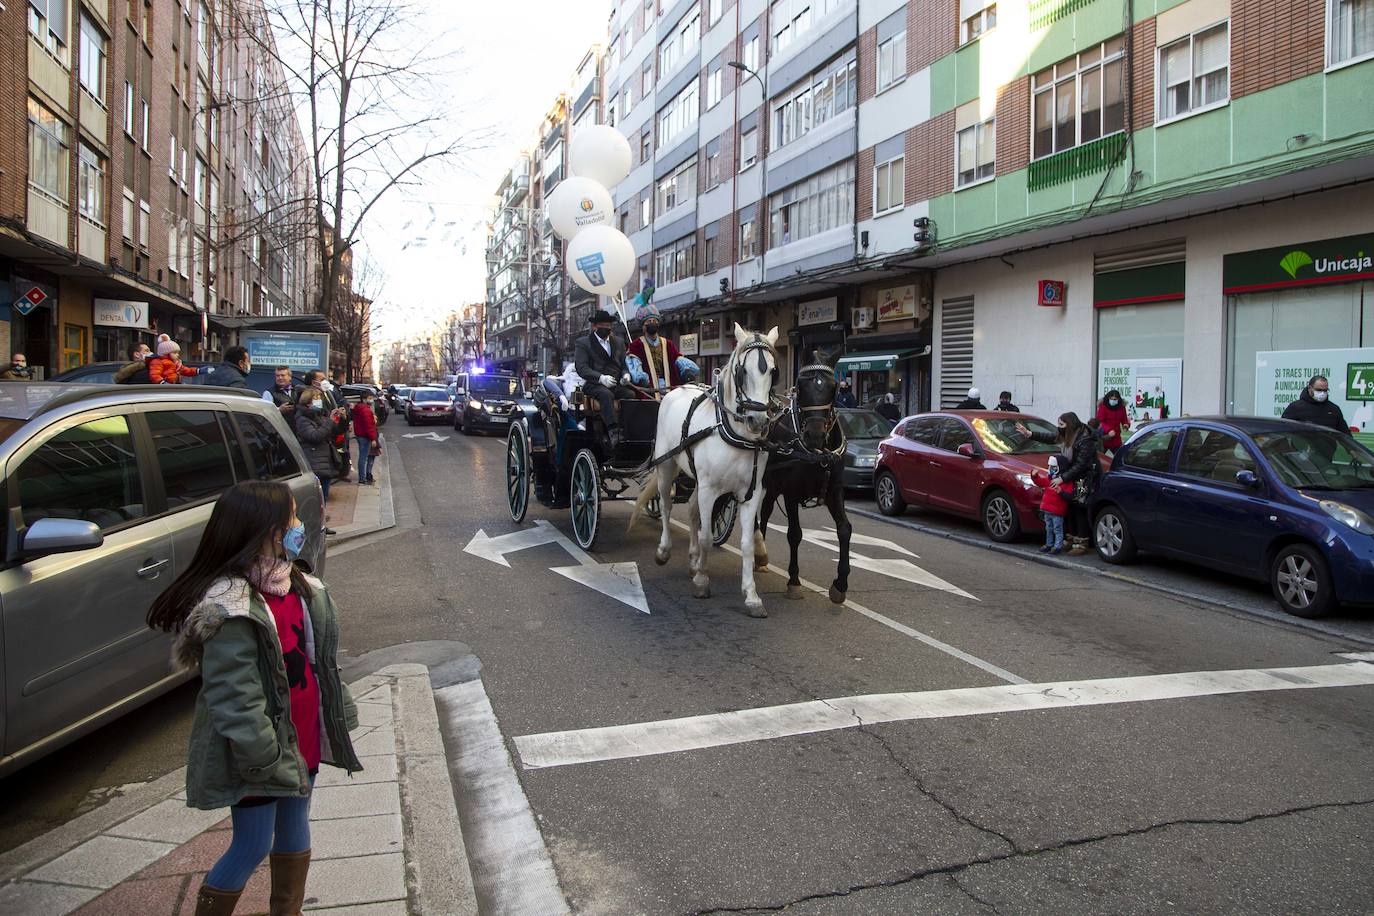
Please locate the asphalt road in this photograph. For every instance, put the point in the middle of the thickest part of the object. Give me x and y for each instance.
(1071, 775)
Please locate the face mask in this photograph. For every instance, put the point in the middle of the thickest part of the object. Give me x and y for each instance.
(1062, 428)
(1319, 396)
(652, 330)
(603, 333)
(1112, 402)
(294, 540)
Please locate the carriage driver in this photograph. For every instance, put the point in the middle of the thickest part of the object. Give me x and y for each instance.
(655, 362)
(600, 360)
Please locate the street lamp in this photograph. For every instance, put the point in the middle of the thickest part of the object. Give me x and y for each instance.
(753, 74)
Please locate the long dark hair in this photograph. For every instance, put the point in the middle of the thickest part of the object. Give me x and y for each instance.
(1073, 428)
(244, 516)
(1111, 394)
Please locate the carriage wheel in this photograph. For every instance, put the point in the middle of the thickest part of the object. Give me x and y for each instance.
(654, 509)
(517, 472)
(723, 516)
(586, 498)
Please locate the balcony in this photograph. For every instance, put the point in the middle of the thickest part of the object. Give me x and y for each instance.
(553, 179)
(552, 139)
(593, 91)
(517, 191)
(507, 323)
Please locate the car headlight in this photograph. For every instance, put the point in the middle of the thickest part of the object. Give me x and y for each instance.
(475, 405)
(1025, 480)
(865, 461)
(1349, 516)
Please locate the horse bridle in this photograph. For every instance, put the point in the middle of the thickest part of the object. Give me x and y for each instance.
(745, 404)
(830, 420)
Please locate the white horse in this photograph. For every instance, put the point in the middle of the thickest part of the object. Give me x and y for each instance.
(740, 414)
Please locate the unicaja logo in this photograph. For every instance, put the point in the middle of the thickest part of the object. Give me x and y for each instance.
(1294, 260)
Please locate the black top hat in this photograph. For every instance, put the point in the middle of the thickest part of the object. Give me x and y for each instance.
(601, 315)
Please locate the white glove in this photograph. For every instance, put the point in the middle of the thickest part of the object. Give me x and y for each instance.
(607, 381)
(625, 379)
(563, 402)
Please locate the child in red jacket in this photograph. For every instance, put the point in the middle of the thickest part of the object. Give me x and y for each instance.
(365, 432)
(1054, 505)
(166, 367)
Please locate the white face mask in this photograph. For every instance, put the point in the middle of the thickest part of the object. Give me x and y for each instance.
(1319, 396)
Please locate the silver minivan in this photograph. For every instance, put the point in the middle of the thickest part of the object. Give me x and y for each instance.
(107, 490)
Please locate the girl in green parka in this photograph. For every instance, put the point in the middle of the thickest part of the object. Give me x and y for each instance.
(272, 707)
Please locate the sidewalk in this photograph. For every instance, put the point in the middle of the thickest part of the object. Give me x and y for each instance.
(355, 510)
(386, 842)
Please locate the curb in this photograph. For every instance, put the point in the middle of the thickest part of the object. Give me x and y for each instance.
(387, 518)
(1262, 613)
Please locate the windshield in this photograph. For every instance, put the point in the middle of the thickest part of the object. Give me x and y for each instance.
(429, 394)
(864, 424)
(1314, 459)
(493, 386)
(1002, 436)
(404, 391)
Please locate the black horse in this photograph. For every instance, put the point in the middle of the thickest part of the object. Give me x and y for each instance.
(807, 463)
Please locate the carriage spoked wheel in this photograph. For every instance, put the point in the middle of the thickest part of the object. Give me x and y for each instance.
(517, 471)
(586, 498)
(654, 509)
(723, 515)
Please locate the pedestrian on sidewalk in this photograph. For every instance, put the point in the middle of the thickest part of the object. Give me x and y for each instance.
(272, 706)
(315, 431)
(135, 371)
(1054, 505)
(1314, 406)
(1004, 403)
(1078, 446)
(1111, 415)
(971, 402)
(365, 433)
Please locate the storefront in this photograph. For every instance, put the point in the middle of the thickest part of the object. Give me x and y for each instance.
(818, 327)
(888, 349)
(712, 352)
(32, 302)
(1296, 311)
(1138, 300)
(118, 325)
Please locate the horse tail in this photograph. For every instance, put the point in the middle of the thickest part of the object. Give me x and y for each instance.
(646, 495)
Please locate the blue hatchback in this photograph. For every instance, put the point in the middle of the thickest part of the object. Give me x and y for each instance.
(1274, 500)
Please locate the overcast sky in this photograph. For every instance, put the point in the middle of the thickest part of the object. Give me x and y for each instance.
(514, 58)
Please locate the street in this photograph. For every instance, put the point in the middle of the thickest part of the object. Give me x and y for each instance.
(691, 759)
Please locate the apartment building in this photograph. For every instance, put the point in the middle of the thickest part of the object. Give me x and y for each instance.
(896, 179)
(152, 178)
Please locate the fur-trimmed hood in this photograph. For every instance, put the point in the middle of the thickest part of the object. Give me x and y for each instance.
(228, 596)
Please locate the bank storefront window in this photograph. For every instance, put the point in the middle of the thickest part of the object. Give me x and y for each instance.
(1138, 298)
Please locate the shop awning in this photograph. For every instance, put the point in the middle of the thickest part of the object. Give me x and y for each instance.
(873, 361)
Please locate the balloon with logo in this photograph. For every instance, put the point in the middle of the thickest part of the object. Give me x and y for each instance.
(576, 204)
(601, 260)
(601, 153)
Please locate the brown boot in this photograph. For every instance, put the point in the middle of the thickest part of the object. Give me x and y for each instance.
(211, 901)
(288, 882)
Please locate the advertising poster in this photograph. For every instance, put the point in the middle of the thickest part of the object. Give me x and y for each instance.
(299, 350)
(897, 303)
(120, 313)
(1281, 375)
(1152, 389)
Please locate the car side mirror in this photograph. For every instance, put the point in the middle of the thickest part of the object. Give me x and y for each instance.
(1247, 479)
(968, 451)
(61, 535)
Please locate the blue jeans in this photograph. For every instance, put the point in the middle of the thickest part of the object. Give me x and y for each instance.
(324, 485)
(365, 459)
(1054, 531)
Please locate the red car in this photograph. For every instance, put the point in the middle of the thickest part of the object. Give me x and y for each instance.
(969, 462)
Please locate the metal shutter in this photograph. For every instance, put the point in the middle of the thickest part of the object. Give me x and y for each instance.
(956, 350)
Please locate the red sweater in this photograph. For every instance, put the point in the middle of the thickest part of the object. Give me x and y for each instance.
(289, 614)
(364, 422)
(1113, 420)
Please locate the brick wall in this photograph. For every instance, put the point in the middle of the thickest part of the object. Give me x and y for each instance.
(930, 158)
(1273, 43)
(868, 64)
(932, 31)
(1013, 126)
(863, 185)
(14, 37)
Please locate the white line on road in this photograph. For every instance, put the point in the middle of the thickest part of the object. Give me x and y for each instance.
(975, 661)
(669, 736)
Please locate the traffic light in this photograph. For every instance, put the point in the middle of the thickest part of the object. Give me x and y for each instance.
(925, 232)
(724, 285)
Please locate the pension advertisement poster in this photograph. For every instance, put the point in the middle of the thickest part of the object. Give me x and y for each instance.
(1151, 389)
(1281, 375)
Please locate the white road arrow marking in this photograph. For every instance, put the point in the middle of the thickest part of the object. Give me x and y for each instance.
(614, 580)
(429, 435)
(906, 571)
(829, 538)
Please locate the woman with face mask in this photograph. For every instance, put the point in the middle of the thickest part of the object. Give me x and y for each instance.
(1111, 413)
(315, 431)
(1079, 466)
(272, 706)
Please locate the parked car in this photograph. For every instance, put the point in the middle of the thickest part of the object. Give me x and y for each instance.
(354, 393)
(428, 404)
(972, 463)
(103, 373)
(863, 430)
(400, 396)
(107, 490)
(1269, 499)
(485, 401)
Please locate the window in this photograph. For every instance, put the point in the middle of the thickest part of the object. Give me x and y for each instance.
(646, 209)
(1078, 100)
(751, 53)
(712, 254)
(748, 240)
(271, 456)
(91, 185)
(146, 125)
(748, 148)
(172, 155)
(88, 472)
(713, 86)
(813, 101)
(1351, 30)
(92, 59)
(1151, 451)
(128, 108)
(627, 100)
(889, 185)
(1194, 72)
(975, 153)
(1213, 455)
(646, 145)
(985, 20)
(676, 261)
(678, 187)
(822, 202)
(47, 152)
(646, 79)
(193, 454)
(683, 40)
(924, 431)
(891, 60)
(73, 346)
(144, 218)
(715, 169)
(713, 11)
(679, 114)
(128, 214)
(954, 433)
(611, 110)
(649, 9)
(48, 24)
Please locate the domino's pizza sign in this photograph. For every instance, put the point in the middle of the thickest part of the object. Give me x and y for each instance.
(31, 300)
(1052, 292)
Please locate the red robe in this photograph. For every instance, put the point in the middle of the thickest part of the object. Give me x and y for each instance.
(638, 348)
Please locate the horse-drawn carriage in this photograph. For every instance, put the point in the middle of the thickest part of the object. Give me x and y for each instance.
(565, 459)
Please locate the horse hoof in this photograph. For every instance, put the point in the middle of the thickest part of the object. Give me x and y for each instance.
(701, 591)
(661, 557)
(755, 609)
(760, 562)
(795, 592)
(836, 596)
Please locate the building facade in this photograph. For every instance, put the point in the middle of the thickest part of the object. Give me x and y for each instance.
(152, 178)
(893, 180)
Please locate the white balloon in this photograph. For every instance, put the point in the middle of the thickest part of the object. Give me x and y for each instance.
(601, 153)
(601, 260)
(576, 204)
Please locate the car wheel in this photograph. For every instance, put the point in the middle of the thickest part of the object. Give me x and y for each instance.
(410, 421)
(888, 495)
(1000, 520)
(1301, 582)
(1112, 536)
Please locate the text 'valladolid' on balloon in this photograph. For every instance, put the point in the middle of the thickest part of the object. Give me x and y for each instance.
(577, 204)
